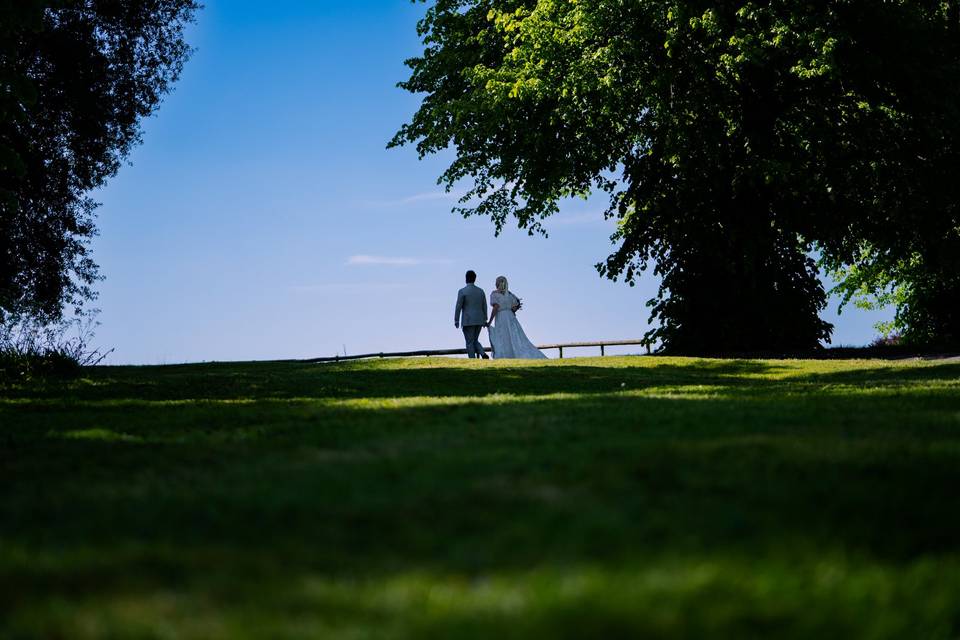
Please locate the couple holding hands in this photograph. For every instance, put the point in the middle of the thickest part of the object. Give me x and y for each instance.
(507, 339)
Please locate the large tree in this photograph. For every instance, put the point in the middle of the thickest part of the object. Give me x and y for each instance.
(76, 79)
(734, 138)
(907, 251)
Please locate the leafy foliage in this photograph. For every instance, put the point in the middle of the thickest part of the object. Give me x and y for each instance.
(76, 79)
(925, 299)
(729, 136)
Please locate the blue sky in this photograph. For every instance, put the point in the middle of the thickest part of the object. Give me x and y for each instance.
(263, 217)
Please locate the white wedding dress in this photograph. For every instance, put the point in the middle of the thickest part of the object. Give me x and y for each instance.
(506, 335)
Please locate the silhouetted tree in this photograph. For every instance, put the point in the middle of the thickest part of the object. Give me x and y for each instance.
(732, 137)
(76, 79)
(906, 250)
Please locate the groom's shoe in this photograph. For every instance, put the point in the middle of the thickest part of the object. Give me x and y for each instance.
(483, 354)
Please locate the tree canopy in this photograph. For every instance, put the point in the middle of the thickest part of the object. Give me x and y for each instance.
(76, 79)
(733, 139)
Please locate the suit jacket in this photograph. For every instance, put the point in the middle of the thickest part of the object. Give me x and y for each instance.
(472, 303)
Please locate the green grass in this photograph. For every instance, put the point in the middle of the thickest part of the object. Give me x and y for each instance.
(432, 498)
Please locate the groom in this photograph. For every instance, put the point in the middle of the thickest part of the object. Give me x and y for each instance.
(472, 302)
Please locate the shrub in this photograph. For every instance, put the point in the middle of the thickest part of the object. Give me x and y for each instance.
(892, 339)
(31, 349)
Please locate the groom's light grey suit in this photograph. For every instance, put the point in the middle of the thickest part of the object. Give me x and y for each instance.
(472, 305)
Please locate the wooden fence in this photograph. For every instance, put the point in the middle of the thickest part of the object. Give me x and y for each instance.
(455, 352)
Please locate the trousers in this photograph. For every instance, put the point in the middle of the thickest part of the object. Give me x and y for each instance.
(471, 334)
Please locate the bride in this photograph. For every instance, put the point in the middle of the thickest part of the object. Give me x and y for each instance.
(506, 336)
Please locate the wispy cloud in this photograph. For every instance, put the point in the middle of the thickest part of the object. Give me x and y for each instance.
(418, 198)
(392, 261)
(431, 195)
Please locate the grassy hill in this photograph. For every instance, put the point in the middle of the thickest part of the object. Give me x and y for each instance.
(432, 498)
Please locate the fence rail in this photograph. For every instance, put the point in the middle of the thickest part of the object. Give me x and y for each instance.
(603, 344)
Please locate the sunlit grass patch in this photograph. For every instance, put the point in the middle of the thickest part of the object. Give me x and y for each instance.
(105, 435)
(672, 597)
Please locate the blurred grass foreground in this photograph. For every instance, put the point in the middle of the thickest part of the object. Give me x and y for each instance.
(634, 497)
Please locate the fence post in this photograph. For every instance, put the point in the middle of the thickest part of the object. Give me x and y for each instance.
(561, 352)
(601, 351)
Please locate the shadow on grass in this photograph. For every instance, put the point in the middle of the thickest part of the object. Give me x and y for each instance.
(357, 380)
(602, 512)
(365, 380)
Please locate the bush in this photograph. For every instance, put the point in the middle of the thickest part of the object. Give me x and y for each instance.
(892, 339)
(30, 349)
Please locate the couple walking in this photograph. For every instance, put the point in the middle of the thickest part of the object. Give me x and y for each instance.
(507, 339)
